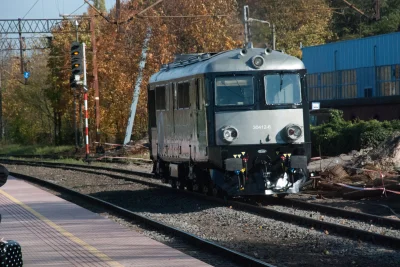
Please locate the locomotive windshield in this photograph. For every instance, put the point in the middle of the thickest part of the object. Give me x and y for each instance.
(234, 91)
(282, 88)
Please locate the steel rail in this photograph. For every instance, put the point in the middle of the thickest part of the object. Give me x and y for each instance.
(192, 239)
(370, 218)
(341, 230)
(55, 157)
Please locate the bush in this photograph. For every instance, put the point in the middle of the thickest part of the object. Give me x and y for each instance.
(339, 136)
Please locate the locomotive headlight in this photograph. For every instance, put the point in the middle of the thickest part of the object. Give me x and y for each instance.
(293, 132)
(229, 134)
(257, 61)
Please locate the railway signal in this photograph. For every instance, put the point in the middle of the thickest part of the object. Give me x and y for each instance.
(73, 82)
(76, 59)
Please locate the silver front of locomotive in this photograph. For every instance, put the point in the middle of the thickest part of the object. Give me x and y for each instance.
(267, 130)
(255, 127)
(270, 139)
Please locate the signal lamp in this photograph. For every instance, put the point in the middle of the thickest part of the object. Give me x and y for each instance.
(229, 134)
(257, 61)
(293, 132)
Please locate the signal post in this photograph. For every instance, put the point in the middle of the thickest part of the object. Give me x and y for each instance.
(78, 67)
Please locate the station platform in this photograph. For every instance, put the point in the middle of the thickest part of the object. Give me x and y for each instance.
(55, 232)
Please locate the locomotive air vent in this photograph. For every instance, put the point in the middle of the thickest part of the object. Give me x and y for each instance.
(187, 57)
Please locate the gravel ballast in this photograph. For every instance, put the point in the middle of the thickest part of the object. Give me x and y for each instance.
(273, 241)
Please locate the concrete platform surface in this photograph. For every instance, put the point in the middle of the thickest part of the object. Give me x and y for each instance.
(55, 232)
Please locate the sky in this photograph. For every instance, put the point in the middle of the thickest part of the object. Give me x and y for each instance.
(43, 9)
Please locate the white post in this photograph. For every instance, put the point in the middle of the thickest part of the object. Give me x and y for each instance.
(85, 98)
(246, 24)
(136, 92)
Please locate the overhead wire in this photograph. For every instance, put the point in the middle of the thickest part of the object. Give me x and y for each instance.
(58, 6)
(187, 16)
(138, 15)
(30, 9)
(77, 9)
(42, 9)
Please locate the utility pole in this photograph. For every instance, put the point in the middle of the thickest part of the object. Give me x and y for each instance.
(247, 31)
(355, 8)
(1, 104)
(273, 37)
(246, 24)
(377, 9)
(75, 96)
(118, 13)
(95, 78)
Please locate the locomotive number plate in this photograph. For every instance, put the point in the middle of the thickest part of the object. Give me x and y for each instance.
(261, 127)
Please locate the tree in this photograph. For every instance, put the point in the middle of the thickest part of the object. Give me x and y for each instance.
(305, 21)
(119, 52)
(350, 24)
(28, 114)
(100, 5)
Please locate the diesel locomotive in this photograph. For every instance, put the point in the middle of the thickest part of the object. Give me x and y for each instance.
(231, 123)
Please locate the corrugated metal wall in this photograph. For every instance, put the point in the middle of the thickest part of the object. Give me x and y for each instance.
(361, 68)
(353, 54)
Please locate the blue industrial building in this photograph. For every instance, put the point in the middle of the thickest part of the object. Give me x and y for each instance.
(361, 76)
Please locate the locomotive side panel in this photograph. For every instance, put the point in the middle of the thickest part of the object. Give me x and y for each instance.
(201, 124)
(163, 120)
(177, 124)
(152, 122)
(182, 121)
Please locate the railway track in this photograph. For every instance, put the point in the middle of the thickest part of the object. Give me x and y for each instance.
(341, 230)
(122, 160)
(237, 257)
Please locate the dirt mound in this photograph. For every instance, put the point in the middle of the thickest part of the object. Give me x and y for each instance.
(385, 157)
(361, 174)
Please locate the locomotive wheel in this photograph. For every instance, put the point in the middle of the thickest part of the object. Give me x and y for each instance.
(196, 187)
(173, 184)
(180, 185)
(216, 191)
(225, 195)
(189, 186)
(281, 196)
(205, 190)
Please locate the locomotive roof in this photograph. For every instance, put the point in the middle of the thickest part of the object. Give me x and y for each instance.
(227, 61)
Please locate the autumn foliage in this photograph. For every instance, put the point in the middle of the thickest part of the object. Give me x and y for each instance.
(178, 26)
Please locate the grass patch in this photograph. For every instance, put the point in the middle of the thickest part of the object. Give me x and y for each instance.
(35, 150)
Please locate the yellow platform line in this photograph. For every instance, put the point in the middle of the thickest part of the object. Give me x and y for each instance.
(100, 255)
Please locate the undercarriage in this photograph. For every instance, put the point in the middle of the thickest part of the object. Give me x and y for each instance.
(265, 177)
